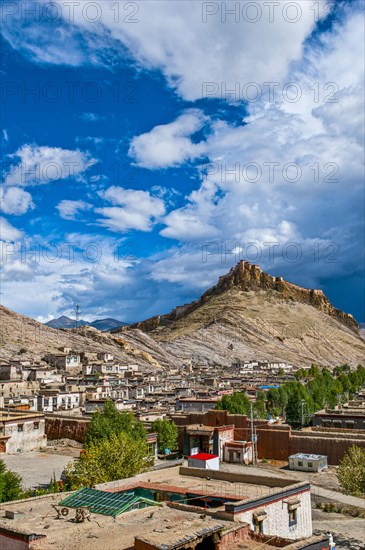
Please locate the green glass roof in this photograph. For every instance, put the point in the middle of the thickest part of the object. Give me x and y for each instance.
(102, 502)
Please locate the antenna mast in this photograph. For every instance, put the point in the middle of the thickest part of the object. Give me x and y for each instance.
(77, 311)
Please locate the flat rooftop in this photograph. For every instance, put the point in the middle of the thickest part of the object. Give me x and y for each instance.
(308, 456)
(170, 479)
(158, 524)
(6, 416)
(102, 532)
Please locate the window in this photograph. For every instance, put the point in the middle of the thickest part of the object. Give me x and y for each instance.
(300, 463)
(35, 425)
(310, 464)
(20, 427)
(292, 517)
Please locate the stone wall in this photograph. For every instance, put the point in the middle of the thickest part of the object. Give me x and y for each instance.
(278, 442)
(60, 427)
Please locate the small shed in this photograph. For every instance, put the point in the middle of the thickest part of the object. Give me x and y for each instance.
(204, 460)
(307, 462)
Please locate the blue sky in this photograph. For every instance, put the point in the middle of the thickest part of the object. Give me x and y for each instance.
(149, 146)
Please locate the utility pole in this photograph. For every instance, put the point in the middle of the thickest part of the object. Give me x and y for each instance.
(77, 311)
(253, 437)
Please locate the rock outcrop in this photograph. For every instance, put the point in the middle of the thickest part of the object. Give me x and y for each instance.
(250, 277)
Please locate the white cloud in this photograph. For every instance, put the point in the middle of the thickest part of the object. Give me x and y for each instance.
(230, 211)
(15, 200)
(188, 224)
(8, 232)
(243, 198)
(131, 209)
(69, 210)
(92, 274)
(91, 117)
(169, 144)
(39, 165)
(181, 39)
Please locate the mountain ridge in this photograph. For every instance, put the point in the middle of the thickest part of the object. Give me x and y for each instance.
(101, 324)
(246, 277)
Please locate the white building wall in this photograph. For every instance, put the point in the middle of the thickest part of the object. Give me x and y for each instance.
(212, 464)
(27, 440)
(277, 521)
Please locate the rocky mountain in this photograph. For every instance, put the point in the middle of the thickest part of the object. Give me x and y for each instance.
(249, 314)
(107, 324)
(100, 324)
(25, 338)
(65, 322)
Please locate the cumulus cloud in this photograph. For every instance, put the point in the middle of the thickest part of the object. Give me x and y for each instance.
(8, 232)
(69, 210)
(291, 173)
(39, 165)
(15, 200)
(131, 209)
(169, 144)
(92, 274)
(188, 224)
(190, 42)
(248, 191)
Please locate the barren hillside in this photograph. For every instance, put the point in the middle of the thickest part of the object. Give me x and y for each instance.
(23, 334)
(251, 315)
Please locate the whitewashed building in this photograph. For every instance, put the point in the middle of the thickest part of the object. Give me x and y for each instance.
(21, 432)
(307, 462)
(285, 513)
(204, 460)
(63, 361)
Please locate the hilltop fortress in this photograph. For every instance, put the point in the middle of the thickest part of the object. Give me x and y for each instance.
(250, 277)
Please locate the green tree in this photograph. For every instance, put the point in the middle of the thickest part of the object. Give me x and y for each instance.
(314, 371)
(167, 433)
(351, 471)
(111, 422)
(10, 484)
(237, 403)
(299, 405)
(277, 399)
(119, 457)
(259, 407)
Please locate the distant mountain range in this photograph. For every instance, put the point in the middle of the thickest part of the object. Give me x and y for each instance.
(100, 324)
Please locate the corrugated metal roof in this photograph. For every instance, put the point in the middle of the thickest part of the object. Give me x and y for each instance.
(103, 502)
